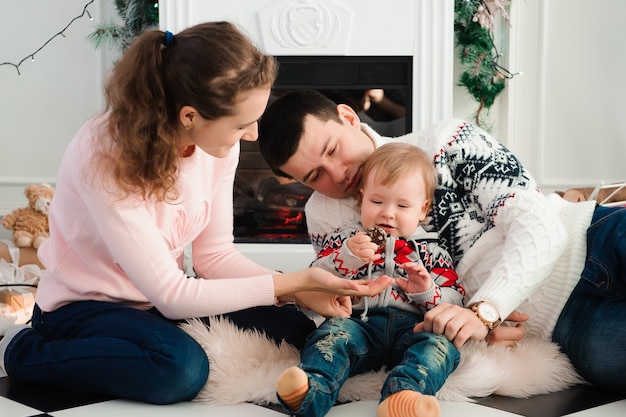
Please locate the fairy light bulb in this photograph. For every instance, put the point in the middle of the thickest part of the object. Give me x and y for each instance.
(61, 33)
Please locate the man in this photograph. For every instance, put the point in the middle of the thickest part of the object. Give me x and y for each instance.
(488, 210)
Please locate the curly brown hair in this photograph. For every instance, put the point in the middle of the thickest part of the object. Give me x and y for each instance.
(205, 66)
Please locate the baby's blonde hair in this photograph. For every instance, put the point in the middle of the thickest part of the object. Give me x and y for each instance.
(395, 160)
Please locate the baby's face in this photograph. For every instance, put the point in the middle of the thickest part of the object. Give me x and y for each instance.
(396, 208)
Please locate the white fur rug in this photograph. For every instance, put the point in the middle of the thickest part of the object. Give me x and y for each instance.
(244, 367)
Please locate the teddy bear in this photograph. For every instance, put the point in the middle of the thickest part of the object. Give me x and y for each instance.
(30, 224)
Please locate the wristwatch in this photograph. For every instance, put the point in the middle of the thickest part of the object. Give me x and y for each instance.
(487, 313)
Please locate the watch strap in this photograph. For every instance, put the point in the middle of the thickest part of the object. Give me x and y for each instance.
(489, 324)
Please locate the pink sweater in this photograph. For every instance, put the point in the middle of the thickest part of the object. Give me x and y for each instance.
(130, 251)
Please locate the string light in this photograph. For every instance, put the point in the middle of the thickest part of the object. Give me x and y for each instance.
(61, 33)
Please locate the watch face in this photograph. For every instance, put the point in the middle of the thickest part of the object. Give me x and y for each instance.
(488, 312)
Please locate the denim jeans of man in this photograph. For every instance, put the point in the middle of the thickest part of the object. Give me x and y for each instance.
(109, 349)
(341, 348)
(591, 329)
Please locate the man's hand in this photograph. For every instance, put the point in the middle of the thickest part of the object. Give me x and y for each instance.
(509, 335)
(458, 324)
(328, 305)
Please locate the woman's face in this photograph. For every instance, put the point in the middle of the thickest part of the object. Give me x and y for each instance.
(217, 137)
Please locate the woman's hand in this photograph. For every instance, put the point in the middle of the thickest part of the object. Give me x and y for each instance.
(328, 305)
(317, 279)
(509, 335)
(458, 324)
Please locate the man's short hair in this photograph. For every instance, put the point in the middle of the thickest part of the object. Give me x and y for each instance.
(282, 124)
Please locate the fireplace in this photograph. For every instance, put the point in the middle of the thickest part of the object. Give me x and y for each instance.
(270, 209)
(340, 47)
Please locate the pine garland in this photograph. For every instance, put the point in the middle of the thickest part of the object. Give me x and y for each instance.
(481, 75)
(137, 16)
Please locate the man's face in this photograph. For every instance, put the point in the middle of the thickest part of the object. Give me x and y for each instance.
(330, 155)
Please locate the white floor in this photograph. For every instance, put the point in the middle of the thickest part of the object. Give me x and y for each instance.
(10, 408)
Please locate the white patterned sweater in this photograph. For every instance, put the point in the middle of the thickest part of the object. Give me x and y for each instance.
(508, 241)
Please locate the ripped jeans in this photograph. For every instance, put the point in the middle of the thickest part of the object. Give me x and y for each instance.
(341, 348)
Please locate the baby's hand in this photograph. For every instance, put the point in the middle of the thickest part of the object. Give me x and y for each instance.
(362, 247)
(419, 279)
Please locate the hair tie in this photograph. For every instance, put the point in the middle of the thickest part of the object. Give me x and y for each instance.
(169, 38)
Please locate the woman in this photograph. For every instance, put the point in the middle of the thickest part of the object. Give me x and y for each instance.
(139, 183)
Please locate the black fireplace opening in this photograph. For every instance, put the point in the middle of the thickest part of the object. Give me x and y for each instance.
(270, 209)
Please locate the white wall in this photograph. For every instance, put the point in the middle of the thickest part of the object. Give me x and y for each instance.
(42, 108)
(565, 115)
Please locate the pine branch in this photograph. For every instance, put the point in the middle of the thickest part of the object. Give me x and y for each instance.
(137, 16)
(481, 75)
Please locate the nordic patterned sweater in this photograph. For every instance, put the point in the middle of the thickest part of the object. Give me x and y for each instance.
(505, 237)
(421, 247)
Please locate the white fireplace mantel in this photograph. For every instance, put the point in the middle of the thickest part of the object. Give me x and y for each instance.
(422, 29)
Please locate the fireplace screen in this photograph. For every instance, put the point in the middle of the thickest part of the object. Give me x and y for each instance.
(268, 208)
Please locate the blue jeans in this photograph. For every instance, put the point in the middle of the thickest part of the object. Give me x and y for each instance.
(109, 349)
(591, 329)
(341, 348)
(119, 351)
(278, 323)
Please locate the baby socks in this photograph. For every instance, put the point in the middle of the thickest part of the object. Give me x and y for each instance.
(409, 403)
(292, 386)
